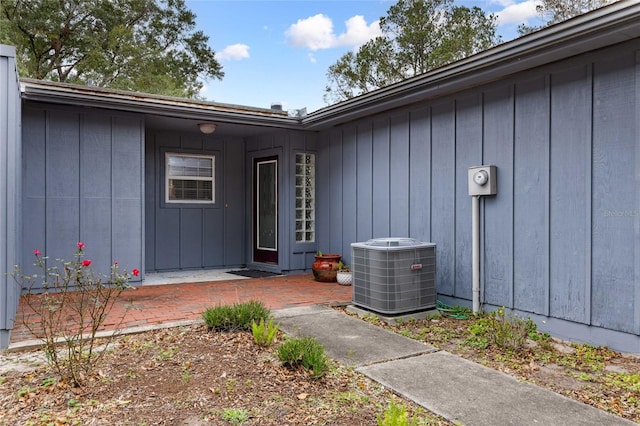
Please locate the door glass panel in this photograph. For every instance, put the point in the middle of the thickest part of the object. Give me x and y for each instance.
(267, 180)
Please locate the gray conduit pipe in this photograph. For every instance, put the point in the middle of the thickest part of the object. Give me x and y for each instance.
(475, 242)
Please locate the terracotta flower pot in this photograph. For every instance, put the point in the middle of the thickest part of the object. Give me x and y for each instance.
(325, 268)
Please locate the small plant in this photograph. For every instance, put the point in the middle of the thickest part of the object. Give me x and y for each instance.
(239, 316)
(305, 352)
(343, 267)
(235, 416)
(504, 331)
(66, 305)
(264, 333)
(396, 415)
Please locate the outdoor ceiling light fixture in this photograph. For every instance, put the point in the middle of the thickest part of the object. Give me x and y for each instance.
(207, 128)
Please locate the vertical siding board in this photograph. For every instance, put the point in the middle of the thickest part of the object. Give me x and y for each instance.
(380, 178)
(615, 213)
(364, 177)
(568, 192)
(420, 175)
(95, 190)
(530, 205)
(349, 159)
(191, 238)
(62, 190)
(498, 211)
(234, 208)
(168, 241)
(212, 242)
(10, 189)
(150, 193)
(335, 194)
(636, 233)
(323, 192)
(399, 175)
(468, 152)
(443, 194)
(127, 191)
(34, 186)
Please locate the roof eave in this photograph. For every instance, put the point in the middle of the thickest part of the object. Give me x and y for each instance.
(90, 97)
(610, 25)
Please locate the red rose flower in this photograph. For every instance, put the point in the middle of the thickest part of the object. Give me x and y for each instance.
(86, 262)
(135, 272)
(80, 245)
(36, 252)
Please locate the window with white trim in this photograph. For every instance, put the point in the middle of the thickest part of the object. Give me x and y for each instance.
(305, 197)
(190, 178)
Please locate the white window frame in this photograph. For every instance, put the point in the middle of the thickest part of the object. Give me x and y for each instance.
(211, 178)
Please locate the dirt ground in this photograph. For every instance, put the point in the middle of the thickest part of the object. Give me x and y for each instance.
(188, 376)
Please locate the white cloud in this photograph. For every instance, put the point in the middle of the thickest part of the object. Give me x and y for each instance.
(358, 32)
(312, 58)
(316, 32)
(518, 13)
(234, 52)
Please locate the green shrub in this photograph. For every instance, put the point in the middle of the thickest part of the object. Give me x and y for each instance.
(305, 352)
(263, 332)
(508, 332)
(396, 415)
(236, 317)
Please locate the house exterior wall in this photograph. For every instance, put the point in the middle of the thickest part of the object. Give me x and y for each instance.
(561, 239)
(292, 256)
(193, 236)
(10, 185)
(83, 173)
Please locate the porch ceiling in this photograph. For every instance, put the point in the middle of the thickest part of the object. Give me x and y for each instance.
(224, 129)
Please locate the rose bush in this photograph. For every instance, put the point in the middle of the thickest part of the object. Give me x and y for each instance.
(65, 306)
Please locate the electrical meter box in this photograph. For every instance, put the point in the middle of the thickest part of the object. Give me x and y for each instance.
(482, 180)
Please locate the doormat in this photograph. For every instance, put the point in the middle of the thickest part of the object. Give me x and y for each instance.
(254, 273)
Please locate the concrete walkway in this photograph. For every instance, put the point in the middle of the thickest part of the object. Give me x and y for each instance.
(459, 390)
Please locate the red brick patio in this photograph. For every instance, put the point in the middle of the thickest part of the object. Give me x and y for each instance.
(158, 304)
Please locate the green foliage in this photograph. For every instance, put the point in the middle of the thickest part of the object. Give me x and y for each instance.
(627, 381)
(507, 332)
(305, 352)
(555, 11)
(396, 415)
(144, 45)
(343, 267)
(235, 416)
(66, 304)
(239, 316)
(264, 333)
(587, 357)
(417, 36)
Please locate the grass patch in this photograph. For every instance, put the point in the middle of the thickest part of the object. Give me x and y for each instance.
(236, 317)
(304, 352)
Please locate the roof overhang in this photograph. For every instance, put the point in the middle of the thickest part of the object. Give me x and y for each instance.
(607, 26)
(155, 105)
(613, 24)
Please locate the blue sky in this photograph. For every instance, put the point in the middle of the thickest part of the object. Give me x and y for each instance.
(279, 51)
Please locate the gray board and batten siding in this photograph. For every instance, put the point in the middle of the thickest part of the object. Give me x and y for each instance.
(10, 185)
(83, 177)
(560, 240)
(194, 236)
